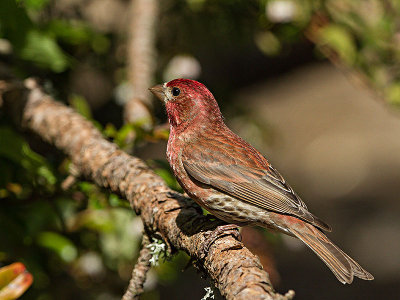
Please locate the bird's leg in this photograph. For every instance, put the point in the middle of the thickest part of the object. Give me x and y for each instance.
(221, 231)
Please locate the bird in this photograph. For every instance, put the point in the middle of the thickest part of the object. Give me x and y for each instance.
(233, 181)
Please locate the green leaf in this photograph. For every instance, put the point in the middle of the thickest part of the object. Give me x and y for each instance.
(100, 44)
(393, 94)
(74, 33)
(340, 40)
(14, 23)
(96, 219)
(14, 148)
(268, 43)
(44, 51)
(45, 172)
(110, 130)
(128, 130)
(86, 187)
(33, 4)
(81, 106)
(166, 175)
(116, 201)
(169, 178)
(65, 249)
(78, 33)
(11, 145)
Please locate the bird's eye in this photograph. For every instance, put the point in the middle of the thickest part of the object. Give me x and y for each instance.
(176, 91)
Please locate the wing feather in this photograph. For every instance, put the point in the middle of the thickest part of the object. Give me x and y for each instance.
(246, 176)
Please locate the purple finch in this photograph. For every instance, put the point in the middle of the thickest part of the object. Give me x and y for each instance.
(233, 181)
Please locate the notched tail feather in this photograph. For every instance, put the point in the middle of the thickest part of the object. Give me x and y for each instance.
(342, 265)
(321, 224)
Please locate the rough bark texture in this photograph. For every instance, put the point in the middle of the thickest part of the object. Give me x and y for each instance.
(135, 288)
(175, 218)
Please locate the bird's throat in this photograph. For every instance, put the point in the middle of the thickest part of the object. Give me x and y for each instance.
(180, 118)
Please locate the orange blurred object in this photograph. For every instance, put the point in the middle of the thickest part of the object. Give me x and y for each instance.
(14, 281)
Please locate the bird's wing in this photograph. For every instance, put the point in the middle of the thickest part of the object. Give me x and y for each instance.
(240, 171)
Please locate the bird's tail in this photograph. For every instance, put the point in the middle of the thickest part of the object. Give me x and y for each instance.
(342, 265)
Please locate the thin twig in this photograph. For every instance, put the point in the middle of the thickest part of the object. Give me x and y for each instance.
(139, 272)
(72, 177)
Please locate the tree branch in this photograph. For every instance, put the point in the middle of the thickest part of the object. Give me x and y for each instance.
(139, 272)
(141, 55)
(175, 218)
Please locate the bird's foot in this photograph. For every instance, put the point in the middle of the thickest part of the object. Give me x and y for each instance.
(219, 232)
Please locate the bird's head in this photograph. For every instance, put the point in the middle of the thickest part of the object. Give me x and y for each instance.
(188, 102)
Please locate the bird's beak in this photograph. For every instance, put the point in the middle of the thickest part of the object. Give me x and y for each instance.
(158, 91)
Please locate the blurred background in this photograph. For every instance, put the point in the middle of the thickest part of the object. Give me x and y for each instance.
(312, 84)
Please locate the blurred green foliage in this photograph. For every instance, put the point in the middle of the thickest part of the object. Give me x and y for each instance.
(365, 36)
(73, 240)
